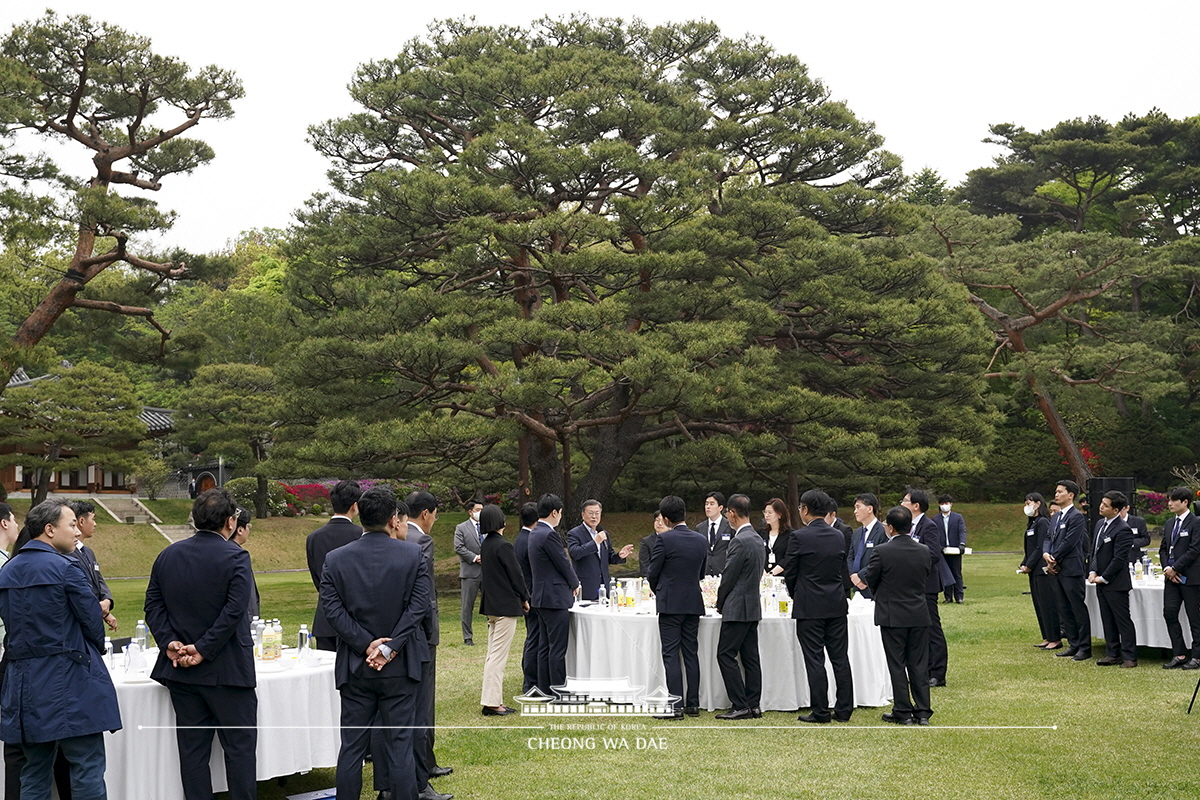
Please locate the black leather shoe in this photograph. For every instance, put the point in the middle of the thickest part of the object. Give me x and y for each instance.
(813, 718)
(1051, 646)
(1176, 662)
(1083, 655)
(1129, 664)
(925, 720)
(692, 711)
(739, 713)
(429, 794)
(499, 711)
(1193, 663)
(756, 713)
(1108, 661)
(836, 718)
(440, 772)
(672, 715)
(937, 681)
(1068, 653)
(895, 720)
(384, 796)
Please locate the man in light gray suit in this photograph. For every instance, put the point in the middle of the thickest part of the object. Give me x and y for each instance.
(738, 603)
(466, 544)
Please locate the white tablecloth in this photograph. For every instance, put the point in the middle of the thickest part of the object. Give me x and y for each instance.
(1146, 609)
(298, 714)
(605, 645)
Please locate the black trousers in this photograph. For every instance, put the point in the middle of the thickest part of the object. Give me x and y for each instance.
(393, 703)
(554, 629)
(1186, 596)
(1045, 605)
(818, 637)
(1070, 592)
(422, 745)
(907, 653)
(939, 654)
(680, 655)
(1120, 638)
(233, 712)
(529, 654)
(740, 639)
(954, 591)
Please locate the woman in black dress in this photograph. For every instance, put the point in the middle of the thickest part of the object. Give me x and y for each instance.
(505, 599)
(775, 530)
(1037, 529)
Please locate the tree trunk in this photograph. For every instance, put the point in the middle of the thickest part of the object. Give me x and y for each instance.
(42, 488)
(260, 498)
(545, 468)
(1058, 426)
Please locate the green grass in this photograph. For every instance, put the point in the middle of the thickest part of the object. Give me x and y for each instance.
(1114, 726)
(171, 512)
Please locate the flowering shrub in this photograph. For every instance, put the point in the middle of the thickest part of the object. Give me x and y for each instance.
(1151, 502)
(308, 493)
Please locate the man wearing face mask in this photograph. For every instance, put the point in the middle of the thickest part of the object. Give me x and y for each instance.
(467, 545)
(954, 539)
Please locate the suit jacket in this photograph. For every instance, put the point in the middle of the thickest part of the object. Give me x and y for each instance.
(433, 631)
(1036, 532)
(467, 545)
(1111, 544)
(862, 544)
(554, 580)
(848, 533)
(56, 685)
(374, 587)
(775, 555)
(198, 594)
(1181, 550)
(502, 586)
(1141, 535)
(337, 532)
(953, 530)
(521, 551)
(940, 576)
(591, 560)
(716, 548)
(738, 597)
(1068, 537)
(897, 575)
(814, 571)
(87, 560)
(645, 552)
(678, 562)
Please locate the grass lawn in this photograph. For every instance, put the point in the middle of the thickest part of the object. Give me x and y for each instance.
(1014, 722)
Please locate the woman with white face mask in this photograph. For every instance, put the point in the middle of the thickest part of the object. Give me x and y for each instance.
(1037, 529)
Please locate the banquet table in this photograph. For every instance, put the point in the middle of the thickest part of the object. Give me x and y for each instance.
(298, 715)
(1145, 607)
(605, 646)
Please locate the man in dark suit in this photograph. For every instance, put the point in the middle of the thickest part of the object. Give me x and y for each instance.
(868, 536)
(716, 532)
(954, 538)
(85, 519)
(468, 549)
(196, 608)
(1141, 533)
(592, 552)
(340, 530)
(896, 575)
(1110, 574)
(529, 518)
(814, 571)
(1179, 556)
(740, 608)
(1064, 559)
(677, 565)
(422, 513)
(555, 587)
(926, 532)
(375, 592)
(846, 531)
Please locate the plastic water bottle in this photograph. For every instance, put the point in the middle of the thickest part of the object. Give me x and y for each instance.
(302, 645)
(108, 652)
(278, 640)
(774, 604)
(257, 631)
(141, 635)
(603, 596)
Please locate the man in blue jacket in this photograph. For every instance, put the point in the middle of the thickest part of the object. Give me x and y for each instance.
(57, 693)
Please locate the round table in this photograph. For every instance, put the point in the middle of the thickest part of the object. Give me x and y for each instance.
(625, 645)
(1146, 609)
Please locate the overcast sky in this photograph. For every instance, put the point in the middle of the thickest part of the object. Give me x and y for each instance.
(931, 74)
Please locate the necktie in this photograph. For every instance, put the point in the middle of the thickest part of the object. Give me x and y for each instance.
(712, 534)
(1100, 535)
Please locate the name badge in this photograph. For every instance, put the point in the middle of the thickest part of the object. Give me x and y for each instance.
(1107, 539)
(725, 537)
(1029, 532)
(1062, 527)
(1182, 534)
(870, 544)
